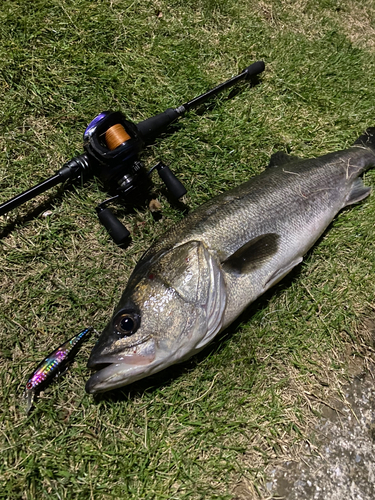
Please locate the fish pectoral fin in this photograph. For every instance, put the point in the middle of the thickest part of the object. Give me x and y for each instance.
(252, 255)
(358, 192)
(281, 272)
(281, 158)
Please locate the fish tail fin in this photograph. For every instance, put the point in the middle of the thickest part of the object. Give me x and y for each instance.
(367, 139)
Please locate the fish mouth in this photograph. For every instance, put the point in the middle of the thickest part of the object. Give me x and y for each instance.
(114, 372)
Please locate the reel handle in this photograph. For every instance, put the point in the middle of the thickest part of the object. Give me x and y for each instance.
(176, 188)
(115, 228)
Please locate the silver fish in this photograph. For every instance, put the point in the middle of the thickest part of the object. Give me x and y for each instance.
(198, 277)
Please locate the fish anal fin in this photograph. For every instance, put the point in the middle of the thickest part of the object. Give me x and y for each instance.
(281, 158)
(358, 192)
(252, 254)
(281, 272)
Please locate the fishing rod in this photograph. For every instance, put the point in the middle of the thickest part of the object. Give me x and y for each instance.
(112, 145)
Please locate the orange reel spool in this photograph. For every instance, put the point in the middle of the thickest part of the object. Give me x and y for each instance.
(115, 136)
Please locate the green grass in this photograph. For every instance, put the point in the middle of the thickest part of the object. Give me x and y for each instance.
(201, 429)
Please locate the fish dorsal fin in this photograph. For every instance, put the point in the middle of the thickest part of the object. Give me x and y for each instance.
(252, 254)
(281, 158)
(367, 139)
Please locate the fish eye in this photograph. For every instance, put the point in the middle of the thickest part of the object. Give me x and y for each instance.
(126, 323)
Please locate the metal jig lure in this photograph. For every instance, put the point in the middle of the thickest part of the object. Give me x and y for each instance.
(53, 365)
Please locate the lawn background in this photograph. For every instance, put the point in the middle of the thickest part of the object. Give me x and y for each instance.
(211, 426)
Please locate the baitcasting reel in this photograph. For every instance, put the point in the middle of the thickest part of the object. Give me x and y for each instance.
(112, 146)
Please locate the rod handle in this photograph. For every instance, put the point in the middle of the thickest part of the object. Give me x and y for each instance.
(154, 126)
(72, 169)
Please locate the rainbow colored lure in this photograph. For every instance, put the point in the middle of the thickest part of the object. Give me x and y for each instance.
(52, 365)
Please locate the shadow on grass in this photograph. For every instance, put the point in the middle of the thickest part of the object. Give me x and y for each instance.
(121, 209)
(33, 213)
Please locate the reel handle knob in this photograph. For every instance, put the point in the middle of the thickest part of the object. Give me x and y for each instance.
(115, 228)
(176, 187)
